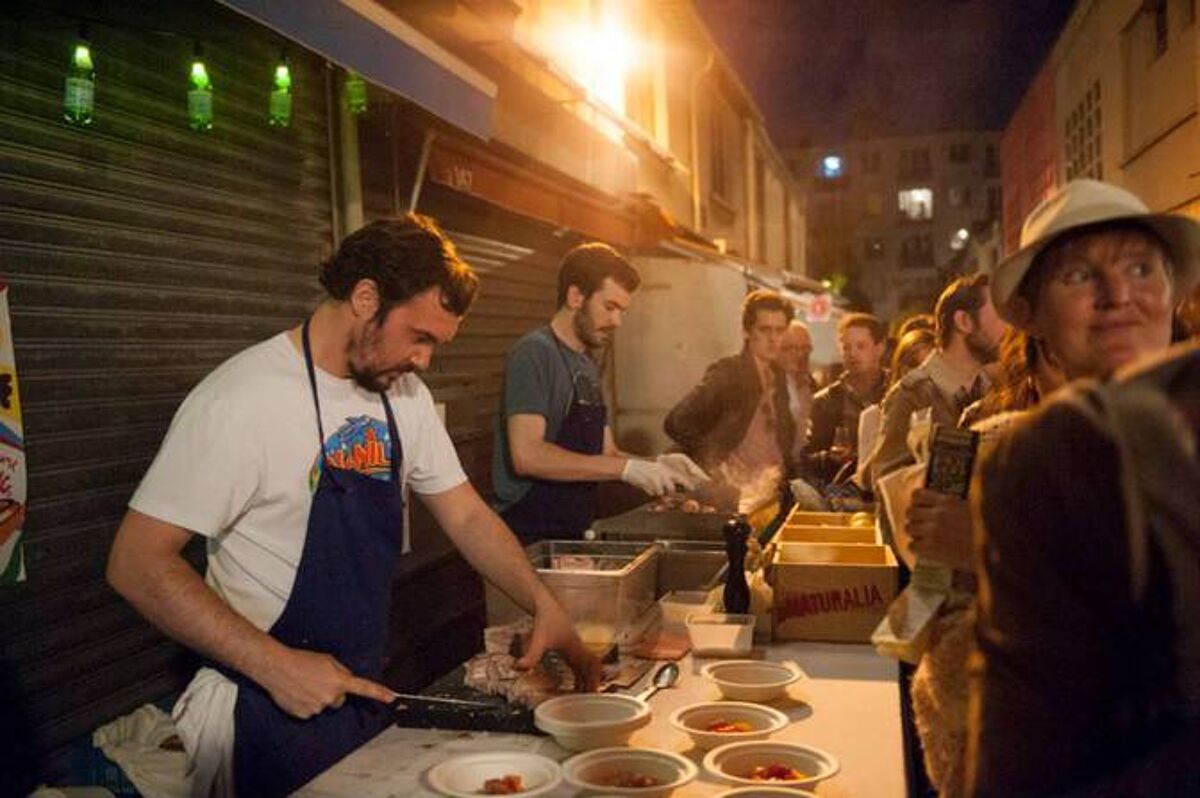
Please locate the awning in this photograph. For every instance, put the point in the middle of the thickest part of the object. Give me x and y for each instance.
(362, 36)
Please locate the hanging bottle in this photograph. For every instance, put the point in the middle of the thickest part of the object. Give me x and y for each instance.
(200, 99)
(356, 93)
(737, 591)
(80, 90)
(279, 113)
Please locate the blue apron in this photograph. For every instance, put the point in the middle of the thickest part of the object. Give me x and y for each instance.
(339, 605)
(563, 510)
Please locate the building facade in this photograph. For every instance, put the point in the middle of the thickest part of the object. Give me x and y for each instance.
(1117, 100)
(897, 216)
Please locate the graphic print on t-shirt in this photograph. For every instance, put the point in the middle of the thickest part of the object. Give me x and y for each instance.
(361, 444)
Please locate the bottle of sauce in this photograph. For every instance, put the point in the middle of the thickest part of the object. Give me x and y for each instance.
(737, 592)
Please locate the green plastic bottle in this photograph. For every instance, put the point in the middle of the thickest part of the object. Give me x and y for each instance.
(80, 91)
(279, 112)
(200, 99)
(356, 93)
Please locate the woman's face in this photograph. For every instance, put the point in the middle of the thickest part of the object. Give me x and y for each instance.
(1105, 301)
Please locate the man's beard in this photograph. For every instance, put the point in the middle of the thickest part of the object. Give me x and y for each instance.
(983, 350)
(365, 377)
(587, 331)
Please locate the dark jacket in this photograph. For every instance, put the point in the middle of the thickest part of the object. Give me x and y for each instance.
(837, 405)
(711, 420)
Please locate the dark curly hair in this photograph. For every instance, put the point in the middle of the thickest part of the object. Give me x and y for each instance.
(587, 266)
(404, 256)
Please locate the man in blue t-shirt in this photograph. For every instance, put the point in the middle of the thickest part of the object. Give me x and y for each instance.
(553, 441)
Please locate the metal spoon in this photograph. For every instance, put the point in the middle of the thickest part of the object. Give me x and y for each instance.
(666, 675)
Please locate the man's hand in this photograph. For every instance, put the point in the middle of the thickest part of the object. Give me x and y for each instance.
(305, 683)
(677, 461)
(552, 629)
(940, 528)
(655, 478)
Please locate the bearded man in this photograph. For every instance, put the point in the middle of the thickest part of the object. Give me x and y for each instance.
(553, 441)
(968, 338)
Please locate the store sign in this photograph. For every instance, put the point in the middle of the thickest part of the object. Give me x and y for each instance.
(819, 308)
(12, 456)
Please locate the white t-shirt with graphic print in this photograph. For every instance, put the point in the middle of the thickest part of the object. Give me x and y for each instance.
(238, 466)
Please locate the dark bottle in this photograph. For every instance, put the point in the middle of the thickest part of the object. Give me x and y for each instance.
(737, 592)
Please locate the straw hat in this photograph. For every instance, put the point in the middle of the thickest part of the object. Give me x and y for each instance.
(1086, 202)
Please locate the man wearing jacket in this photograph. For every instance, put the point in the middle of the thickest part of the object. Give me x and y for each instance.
(737, 420)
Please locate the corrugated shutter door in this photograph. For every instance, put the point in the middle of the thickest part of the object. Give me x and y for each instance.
(139, 255)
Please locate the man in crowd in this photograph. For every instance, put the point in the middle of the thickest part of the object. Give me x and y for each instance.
(1088, 668)
(968, 334)
(553, 440)
(303, 528)
(737, 420)
(794, 354)
(833, 439)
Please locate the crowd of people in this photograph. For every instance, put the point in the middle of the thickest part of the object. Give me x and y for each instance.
(1066, 656)
(1066, 659)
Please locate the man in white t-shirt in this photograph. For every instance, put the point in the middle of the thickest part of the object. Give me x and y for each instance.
(291, 459)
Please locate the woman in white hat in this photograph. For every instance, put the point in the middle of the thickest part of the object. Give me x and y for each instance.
(1097, 277)
(1087, 676)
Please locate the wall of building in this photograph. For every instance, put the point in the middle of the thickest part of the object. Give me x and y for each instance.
(1029, 155)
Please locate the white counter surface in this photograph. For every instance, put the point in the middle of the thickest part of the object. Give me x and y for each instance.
(849, 705)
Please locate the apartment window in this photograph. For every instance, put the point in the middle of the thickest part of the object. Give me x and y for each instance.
(1160, 26)
(873, 248)
(1189, 13)
(959, 196)
(916, 252)
(993, 203)
(916, 204)
(1082, 138)
(960, 153)
(991, 165)
(639, 100)
(874, 204)
(870, 163)
(832, 167)
(718, 150)
(914, 163)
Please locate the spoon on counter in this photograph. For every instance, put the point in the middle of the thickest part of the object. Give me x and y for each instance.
(666, 676)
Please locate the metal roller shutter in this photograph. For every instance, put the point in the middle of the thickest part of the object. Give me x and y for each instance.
(139, 256)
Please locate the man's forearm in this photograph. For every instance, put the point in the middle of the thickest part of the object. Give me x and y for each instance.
(547, 460)
(169, 593)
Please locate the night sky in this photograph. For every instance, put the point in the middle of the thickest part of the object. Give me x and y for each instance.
(822, 71)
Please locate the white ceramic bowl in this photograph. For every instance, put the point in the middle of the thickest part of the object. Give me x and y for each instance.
(694, 720)
(582, 721)
(750, 679)
(463, 776)
(733, 762)
(765, 792)
(593, 771)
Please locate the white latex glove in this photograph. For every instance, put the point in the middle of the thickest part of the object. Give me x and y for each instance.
(655, 478)
(685, 465)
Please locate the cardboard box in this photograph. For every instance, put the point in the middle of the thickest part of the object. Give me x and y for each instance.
(831, 591)
(826, 534)
(806, 518)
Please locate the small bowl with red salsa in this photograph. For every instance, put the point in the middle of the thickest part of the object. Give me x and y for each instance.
(767, 763)
(643, 772)
(713, 723)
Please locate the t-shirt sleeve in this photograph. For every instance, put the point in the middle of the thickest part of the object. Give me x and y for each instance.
(431, 462)
(527, 381)
(207, 470)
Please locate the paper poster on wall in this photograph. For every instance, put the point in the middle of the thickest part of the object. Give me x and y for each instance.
(12, 456)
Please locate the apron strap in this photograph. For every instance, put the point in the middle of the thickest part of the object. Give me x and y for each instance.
(312, 382)
(397, 446)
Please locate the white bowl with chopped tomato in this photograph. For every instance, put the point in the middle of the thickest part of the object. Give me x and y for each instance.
(494, 773)
(713, 723)
(642, 772)
(582, 721)
(751, 679)
(764, 763)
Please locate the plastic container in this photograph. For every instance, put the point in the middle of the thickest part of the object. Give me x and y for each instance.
(720, 633)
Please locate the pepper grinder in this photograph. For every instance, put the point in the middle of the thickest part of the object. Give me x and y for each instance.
(737, 592)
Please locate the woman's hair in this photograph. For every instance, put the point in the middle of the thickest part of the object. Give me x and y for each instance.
(911, 350)
(1016, 383)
